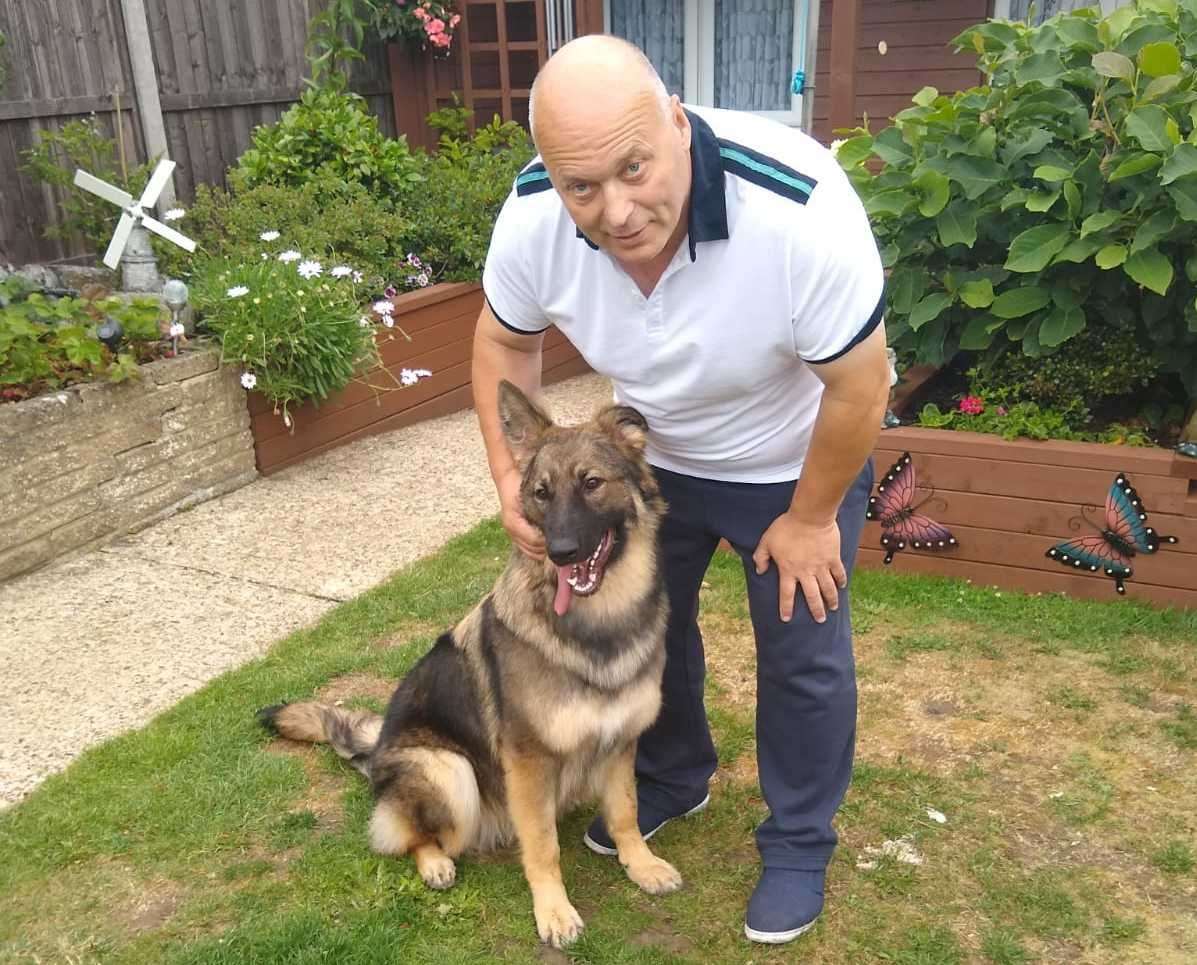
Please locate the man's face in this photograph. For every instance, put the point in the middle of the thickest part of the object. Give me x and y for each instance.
(623, 174)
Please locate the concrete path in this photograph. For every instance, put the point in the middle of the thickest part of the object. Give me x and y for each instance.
(99, 644)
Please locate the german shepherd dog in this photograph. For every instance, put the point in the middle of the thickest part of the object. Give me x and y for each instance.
(533, 703)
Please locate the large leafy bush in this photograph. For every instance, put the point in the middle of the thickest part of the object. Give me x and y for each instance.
(329, 132)
(452, 212)
(324, 217)
(1060, 196)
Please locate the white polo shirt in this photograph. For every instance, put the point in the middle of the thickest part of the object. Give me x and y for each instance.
(779, 272)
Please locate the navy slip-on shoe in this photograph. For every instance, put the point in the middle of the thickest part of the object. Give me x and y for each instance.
(784, 905)
(650, 819)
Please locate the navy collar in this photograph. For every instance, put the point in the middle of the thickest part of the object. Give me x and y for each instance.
(708, 202)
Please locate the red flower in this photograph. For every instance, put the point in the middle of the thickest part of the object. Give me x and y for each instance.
(972, 405)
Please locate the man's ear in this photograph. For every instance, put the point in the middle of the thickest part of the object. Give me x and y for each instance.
(677, 113)
(625, 425)
(523, 422)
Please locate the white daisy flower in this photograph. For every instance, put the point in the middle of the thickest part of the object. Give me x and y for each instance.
(364, 321)
(176, 330)
(269, 236)
(264, 256)
(310, 269)
(290, 255)
(358, 277)
(237, 291)
(248, 380)
(174, 214)
(412, 376)
(341, 271)
(384, 307)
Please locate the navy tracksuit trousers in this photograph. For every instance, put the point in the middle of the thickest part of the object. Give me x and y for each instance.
(806, 675)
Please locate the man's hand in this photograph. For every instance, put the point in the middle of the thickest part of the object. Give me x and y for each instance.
(526, 536)
(808, 555)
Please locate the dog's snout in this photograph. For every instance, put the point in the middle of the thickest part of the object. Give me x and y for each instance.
(563, 550)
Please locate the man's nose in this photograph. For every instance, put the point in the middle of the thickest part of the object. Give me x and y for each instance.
(618, 206)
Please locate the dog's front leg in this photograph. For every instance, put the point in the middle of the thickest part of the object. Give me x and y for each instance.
(653, 874)
(531, 780)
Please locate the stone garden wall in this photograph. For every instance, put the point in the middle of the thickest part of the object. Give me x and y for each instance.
(93, 462)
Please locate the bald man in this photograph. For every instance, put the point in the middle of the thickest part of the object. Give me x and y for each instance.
(720, 269)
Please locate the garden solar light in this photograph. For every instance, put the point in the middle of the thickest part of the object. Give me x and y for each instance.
(174, 293)
(110, 333)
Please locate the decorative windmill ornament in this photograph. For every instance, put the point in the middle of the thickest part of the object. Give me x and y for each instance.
(130, 241)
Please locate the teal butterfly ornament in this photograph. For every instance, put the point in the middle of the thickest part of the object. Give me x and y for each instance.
(1124, 534)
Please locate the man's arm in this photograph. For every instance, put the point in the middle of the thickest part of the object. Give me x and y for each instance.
(500, 353)
(804, 542)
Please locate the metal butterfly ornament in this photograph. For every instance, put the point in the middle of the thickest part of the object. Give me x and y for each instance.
(1110, 550)
(901, 524)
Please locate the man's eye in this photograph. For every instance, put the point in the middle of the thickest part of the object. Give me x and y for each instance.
(579, 189)
(634, 167)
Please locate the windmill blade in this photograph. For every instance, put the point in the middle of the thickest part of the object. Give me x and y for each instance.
(105, 190)
(169, 233)
(162, 173)
(120, 237)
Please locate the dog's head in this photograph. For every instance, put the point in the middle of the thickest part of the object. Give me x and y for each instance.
(586, 487)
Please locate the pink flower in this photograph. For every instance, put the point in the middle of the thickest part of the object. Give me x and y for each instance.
(972, 405)
(434, 26)
(441, 39)
(1001, 410)
(454, 20)
(420, 13)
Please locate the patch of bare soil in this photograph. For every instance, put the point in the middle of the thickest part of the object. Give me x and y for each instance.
(351, 685)
(325, 788)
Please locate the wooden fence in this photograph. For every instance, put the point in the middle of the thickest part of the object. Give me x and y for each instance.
(223, 67)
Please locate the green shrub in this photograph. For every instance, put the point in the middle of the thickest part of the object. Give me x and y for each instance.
(329, 132)
(53, 160)
(452, 213)
(47, 343)
(296, 337)
(1062, 192)
(324, 217)
(1095, 365)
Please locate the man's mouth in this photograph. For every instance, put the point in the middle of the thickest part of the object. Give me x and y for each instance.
(625, 238)
(582, 579)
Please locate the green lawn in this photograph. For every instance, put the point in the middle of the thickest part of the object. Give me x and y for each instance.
(1058, 738)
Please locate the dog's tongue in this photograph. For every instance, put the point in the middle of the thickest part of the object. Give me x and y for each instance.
(565, 592)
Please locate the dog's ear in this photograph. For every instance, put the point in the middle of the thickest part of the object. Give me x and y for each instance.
(625, 424)
(522, 420)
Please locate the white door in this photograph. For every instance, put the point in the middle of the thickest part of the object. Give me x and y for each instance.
(737, 54)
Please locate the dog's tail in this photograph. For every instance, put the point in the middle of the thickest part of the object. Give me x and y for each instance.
(351, 733)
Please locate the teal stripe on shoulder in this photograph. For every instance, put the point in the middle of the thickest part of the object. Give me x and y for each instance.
(767, 170)
(534, 179)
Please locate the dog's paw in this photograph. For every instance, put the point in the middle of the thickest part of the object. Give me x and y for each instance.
(655, 875)
(557, 922)
(438, 871)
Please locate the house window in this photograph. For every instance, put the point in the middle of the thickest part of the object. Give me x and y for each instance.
(737, 54)
(1043, 9)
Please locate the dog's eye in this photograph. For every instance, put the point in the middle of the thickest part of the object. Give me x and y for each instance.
(593, 483)
(541, 493)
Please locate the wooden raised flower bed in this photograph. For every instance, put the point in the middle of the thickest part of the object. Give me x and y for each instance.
(1008, 502)
(440, 320)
